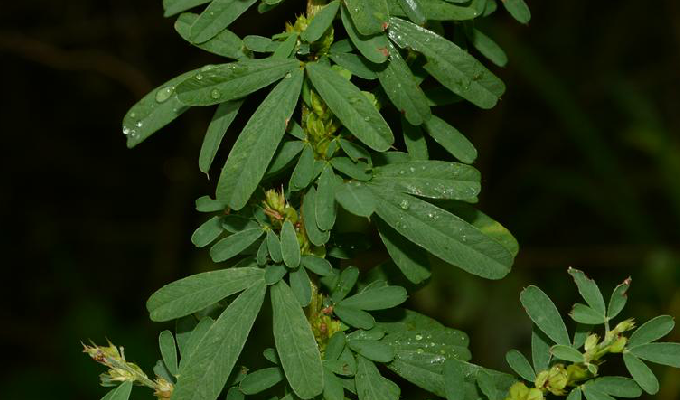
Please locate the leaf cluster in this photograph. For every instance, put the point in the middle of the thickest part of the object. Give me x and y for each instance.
(321, 147)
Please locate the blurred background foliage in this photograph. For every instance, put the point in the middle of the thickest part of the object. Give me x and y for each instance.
(581, 160)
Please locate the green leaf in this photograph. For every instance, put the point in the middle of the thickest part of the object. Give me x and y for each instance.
(495, 385)
(325, 209)
(348, 278)
(351, 106)
(274, 246)
(301, 286)
(414, 11)
(369, 16)
(172, 7)
(207, 232)
(354, 170)
(543, 312)
(540, 350)
(443, 234)
(315, 235)
(154, 111)
(271, 356)
(262, 253)
(285, 154)
(318, 265)
(323, 19)
(651, 331)
(487, 225)
(261, 380)
(215, 84)
(274, 273)
(520, 365)
(187, 341)
(589, 291)
(257, 143)
(518, 9)
(194, 293)
(304, 169)
(216, 17)
(285, 49)
(642, 374)
(586, 315)
(615, 386)
(335, 346)
(298, 351)
(594, 394)
(449, 64)
(371, 385)
(373, 47)
(420, 355)
(665, 353)
(402, 88)
(332, 386)
(416, 146)
(356, 198)
(356, 64)
(380, 298)
(411, 259)
(618, 299)
(206, 204)
(567, 353)
(372, 350)
(436, 10)
(290, 248)
(453, 141)
(454, 379)
(224, 116)
(166, 342)
(354, 317)
(575, 394)
(355, 151)
(122, 392)
(260, 44)
(209, 365)
(233, 245)
(431, 179)
(226, 43)
(488, 48)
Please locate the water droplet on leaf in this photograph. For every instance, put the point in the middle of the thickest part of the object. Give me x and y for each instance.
(163, 94)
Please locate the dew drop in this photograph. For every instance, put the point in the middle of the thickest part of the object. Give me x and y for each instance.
(412, 169)
(420, 351)
(419, 337)
(139, 124)
(404, 206)
(215, 94)
(288, 75)
(163, 94)
(126, 130)
(199, 76)
(367, 119)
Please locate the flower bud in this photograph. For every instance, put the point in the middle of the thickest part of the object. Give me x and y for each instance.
(557, 380)
(624, 326)
(576, 373)
(618, 345)
(591, 342)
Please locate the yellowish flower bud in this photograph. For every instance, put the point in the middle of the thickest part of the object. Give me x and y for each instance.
(624, 326)
(591, 342)
(618, 345)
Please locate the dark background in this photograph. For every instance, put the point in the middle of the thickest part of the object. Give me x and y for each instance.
(581, 160)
